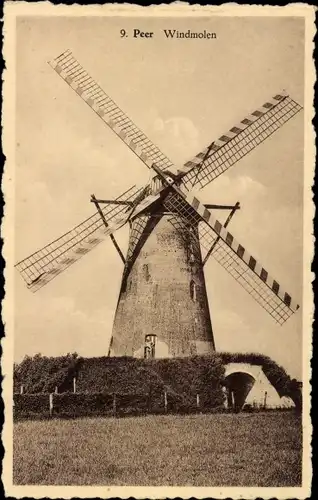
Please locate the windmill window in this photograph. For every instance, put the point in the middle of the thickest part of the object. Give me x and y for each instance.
(193, 291)
(145, 268)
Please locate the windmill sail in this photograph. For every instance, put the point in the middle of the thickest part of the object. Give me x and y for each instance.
(247, 271)
(81, 82)
(241, 139)
(48, 262)
(45, 264)
(264, 289)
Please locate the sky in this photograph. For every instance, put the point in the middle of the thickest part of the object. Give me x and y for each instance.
(182, 94)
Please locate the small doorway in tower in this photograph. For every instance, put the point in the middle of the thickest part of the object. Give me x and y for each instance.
(150, 346)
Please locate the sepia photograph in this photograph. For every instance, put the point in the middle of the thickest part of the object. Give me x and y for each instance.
(158, 244)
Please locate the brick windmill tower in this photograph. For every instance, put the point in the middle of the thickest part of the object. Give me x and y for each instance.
(163, 308)
(163, 281)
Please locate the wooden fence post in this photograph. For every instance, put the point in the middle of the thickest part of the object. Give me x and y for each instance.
(149, 399)
(56, 389)
(74, 385)
(166, 401)
(198, 401)
(114, 405)
(51, 403)
(21, 389)
(265, 397)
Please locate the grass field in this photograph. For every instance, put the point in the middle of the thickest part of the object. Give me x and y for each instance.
(260, 449)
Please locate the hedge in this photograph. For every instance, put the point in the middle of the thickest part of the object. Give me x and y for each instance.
(126, 374)
(182, 376)
(42, 374)
(69, 405)
(31, 405)
(77, 405)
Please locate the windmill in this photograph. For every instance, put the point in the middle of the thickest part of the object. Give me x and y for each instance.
(163, 307)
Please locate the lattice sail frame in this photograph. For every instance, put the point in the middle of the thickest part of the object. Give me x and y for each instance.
(45, 264)
(240, 140)
(220, 155)
(71, 71)
(235, 259)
